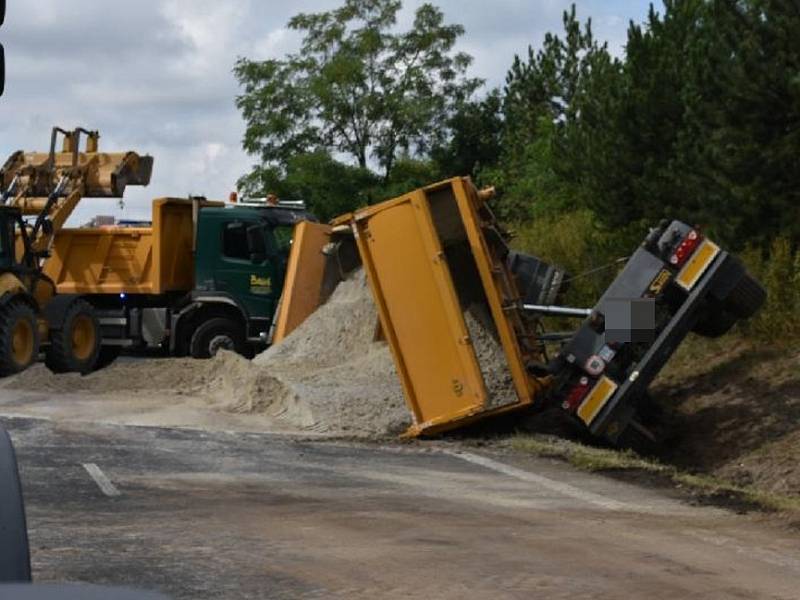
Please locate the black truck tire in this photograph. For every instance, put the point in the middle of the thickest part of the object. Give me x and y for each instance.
(714, 322)
(746, 298)
(15, 562)
(217, 334)
(106, 356)
(19, 337)
(75, 346)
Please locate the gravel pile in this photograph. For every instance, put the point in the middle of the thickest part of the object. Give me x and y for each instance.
(329, 376)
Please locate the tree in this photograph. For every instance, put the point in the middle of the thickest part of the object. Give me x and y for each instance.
(329, 187)
(541, 98)
(475, 137)
(740, 149)
(357, 89)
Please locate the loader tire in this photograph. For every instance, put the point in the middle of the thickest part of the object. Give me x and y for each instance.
(15, 563)
(106, 356)
(19, 337)
(217, 334)
(746, 298)
(75, 346)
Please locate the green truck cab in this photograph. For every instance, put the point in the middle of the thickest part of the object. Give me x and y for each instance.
(237, 254)
(240, 266)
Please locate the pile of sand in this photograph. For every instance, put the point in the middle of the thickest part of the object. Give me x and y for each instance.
(328, 376)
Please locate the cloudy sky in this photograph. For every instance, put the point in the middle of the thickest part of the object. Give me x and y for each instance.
(155, 75)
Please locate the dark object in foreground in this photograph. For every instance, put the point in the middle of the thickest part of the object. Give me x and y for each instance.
(72, 592)
(15, 565)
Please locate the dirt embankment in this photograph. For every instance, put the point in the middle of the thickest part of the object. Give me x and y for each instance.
(733, 410)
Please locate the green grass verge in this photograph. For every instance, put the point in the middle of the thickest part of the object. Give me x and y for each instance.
(704, 487)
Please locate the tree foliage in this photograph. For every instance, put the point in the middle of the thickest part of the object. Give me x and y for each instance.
(698, 119)
(357, 89)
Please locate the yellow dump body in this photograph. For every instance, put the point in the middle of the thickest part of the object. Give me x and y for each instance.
(305, 273)
(434, 260)
(130, 260)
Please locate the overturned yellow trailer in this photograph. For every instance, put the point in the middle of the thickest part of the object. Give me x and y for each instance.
(443, 278)
(436, 262)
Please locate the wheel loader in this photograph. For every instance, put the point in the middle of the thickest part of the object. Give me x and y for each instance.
(39, 193)
(200, 277)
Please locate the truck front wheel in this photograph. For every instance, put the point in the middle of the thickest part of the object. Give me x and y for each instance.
(75, 346)
(215, 335)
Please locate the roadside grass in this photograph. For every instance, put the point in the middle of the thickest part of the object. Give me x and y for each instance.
(704, 488)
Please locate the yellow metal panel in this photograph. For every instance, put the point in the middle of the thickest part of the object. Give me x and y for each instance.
(697, 265)
(467, 205)
(101, 261)
(302, 287)
(419, 311)
(172, 258)
(596, 400)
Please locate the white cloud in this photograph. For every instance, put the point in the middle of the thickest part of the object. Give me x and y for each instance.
(155, 75)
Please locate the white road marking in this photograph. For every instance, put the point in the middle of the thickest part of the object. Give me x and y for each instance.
(551, 484)
(103, 482)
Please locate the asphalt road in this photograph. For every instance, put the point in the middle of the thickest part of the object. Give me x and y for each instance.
(215, 515)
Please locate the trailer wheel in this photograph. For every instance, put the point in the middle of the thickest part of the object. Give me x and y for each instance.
(75, 347)
(714, 322)
(15, 563)
(19, 337)
(215, 335)
(746, 298)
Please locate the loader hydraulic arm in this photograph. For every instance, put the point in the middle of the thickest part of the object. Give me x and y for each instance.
(50, 185)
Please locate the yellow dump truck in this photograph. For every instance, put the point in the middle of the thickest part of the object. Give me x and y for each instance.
(443, 277)
(199, 277)
(203, 276)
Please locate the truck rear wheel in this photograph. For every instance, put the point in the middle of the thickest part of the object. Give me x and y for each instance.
(76, 345)
(215, 335)
(19, 337)
(15, 563)
(714, 322)
(746, 298)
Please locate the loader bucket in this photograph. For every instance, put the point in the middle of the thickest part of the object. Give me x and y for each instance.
(114, 172)
(436, 265)
(106, 175)
(102, 174)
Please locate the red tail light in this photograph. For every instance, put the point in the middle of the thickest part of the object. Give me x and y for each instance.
(576, 394)
(686, 248)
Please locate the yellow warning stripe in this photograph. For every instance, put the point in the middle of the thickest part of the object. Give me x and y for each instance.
(697, 265)
(596, 400)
